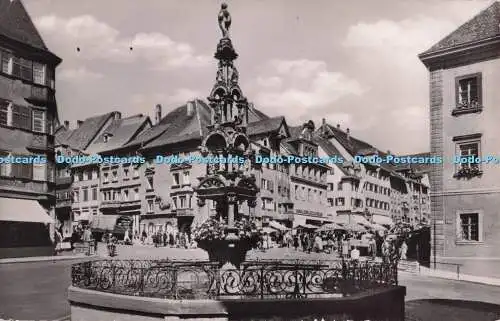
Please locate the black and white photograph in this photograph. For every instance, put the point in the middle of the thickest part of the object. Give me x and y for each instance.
(265, 160)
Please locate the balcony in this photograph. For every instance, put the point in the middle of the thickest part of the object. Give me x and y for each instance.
(62, 203)
(13, 185)
(184, 212)
(110, 205)
(130, 204)
(62, 181)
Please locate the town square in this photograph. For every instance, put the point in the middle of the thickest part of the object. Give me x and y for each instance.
(247, 161)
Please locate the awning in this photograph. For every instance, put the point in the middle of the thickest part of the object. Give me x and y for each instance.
(382, 220)
(307, 226)
(277, 226)
(22, 210)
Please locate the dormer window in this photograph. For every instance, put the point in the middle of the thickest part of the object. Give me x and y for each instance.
(107, 136)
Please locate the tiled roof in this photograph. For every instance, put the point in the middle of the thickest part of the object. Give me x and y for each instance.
(16, 24)
(288, 144)
(265, 126)
(418, 168)
(61, 135)
(82, 136)
(329, 149)
(177, 126)
(121, 131)
(483, 26)
(351, 144)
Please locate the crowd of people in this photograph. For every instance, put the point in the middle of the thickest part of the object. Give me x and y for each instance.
(344, 244)
(161, 238)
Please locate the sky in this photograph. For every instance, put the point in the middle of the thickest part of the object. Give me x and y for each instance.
(353, 63)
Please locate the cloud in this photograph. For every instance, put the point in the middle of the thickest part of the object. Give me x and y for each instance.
(179, 96)
(301, 88)
(78, 74)
(411, 36)
(97, 40)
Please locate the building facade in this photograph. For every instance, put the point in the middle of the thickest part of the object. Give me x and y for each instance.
(465, 198)
(28, 117)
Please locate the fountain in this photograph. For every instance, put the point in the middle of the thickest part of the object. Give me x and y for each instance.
(229, 287)
(229, 180)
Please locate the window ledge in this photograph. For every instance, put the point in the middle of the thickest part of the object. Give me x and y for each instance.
(149, 190)
(469, 242)
(468, 175)
(466, 110)
(175, 186)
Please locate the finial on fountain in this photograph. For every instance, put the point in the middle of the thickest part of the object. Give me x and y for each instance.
(224, 20)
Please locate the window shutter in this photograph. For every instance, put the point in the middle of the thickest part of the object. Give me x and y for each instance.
(479, 88)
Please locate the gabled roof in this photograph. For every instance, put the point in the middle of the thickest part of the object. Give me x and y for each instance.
(483, 26)
(329, 149)
(16, 24)
(119, 132)
(61, 135)
(81, 137)
(265, 126)
(177, 126)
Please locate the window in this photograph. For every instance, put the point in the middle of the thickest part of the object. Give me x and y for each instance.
(76, 196)
(469, 149)
(95, 174)
(339, 186)
(136, 194)
(105, 178)
(6, 62)
(182, 200)
(174, 202)
(85, 194)
(176, 179)
(125, 195)
(94, 193)
(115, 176)
(150, 206)
(468, 92)
(21, 170)
(185, 178)
(38, 73)
(89, 175)
(94, 211)
(136, 172)
(39, 172)
(21, 117)
(80, 175)
(149, 181)
(468, 227)
(125, 173)
(340, 201)
(22, 68)
(5, 113)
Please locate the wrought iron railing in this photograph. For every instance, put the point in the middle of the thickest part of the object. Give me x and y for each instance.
(201, 280)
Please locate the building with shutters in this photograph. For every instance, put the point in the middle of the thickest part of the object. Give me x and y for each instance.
(28, 117)
(464, 69)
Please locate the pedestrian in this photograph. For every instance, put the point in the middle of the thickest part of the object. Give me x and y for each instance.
(355, 254)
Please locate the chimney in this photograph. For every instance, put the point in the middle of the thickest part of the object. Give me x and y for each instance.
(66, 124)
(348, 133)
(323, 121)
(79, 123)
(117, 115)
(157, 114)
(251, 106)
(190, 108)
(338, 126)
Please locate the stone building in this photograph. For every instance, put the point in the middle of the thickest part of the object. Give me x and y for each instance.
(368, 192)
(28, 117)
(464, 70)
(99, 192)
